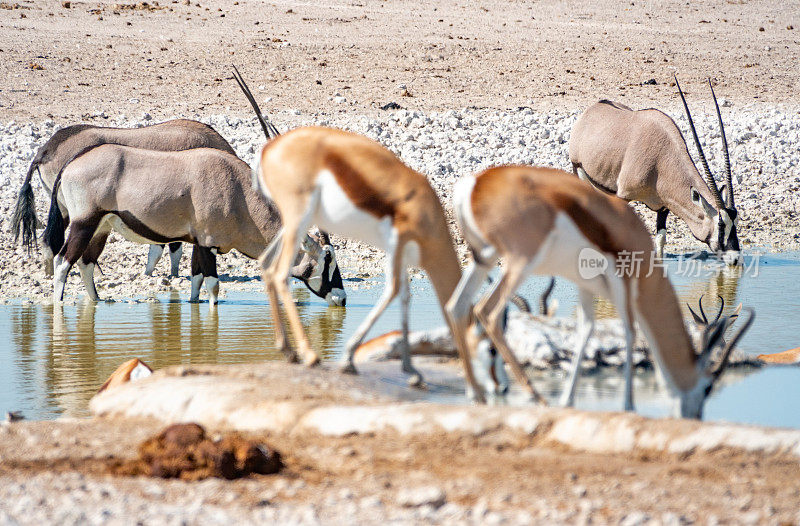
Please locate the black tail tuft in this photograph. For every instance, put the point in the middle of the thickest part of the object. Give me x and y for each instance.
(56, 226)
(23, 222)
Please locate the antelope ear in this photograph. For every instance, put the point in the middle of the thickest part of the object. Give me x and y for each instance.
(735, 314)
(723, 192)
(698, 200)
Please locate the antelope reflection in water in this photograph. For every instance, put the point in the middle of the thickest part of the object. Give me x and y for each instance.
(67, 352)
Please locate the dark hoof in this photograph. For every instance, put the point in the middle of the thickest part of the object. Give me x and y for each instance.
(416, 382)
(348, 368)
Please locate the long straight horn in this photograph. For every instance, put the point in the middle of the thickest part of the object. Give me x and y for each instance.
(728, 176)
(712, 185)
(726, 352)
(269, 129)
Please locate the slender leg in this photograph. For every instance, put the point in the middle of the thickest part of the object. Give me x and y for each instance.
(405, 349)
(458, 309)
(278, 273)
(627, 324)
(661, 231)
(489, 311)
(620, 295)
(585, 329)
(197, 275)
(266, 261)
(153, 255)
(393, 275)
(80, 236)
(208, 266)
(175, 253)
(88, 262)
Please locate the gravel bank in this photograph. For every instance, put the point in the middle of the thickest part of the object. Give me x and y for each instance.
(444, 146)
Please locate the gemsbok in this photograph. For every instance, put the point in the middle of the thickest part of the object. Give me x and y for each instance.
(66, 143)
(353, 186)
(642, 156)
(201, 196)
(540, 222)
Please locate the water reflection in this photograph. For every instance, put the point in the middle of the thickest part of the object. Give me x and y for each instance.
(724, 283)
(56, 357)
(74, 348)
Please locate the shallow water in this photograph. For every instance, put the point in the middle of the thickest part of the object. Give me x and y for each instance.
(55, 358)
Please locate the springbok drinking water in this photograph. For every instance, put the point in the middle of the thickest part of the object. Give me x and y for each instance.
(351, 185)
(201, 196)
(540, 222)
(66, 143)
(642, 156)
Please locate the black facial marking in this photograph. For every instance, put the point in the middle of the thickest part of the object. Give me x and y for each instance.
(326, 282)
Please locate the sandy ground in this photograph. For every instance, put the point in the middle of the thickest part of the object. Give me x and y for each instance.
(115, 57)
(495, 477)
(490, 479)
(107, 63)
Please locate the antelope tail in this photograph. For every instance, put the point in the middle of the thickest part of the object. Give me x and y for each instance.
(23, 222)
(56, 225)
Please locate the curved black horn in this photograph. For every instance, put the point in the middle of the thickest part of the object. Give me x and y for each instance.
(721, 306)
(521, 303)
(545, 297)
(728, 176)
(712, 184)
(700, 320)
(729, 347)
(269, 129)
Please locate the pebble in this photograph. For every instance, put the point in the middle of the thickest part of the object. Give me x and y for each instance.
(445, 146)
(421, 496)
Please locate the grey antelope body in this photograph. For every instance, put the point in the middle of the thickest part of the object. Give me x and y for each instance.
(201, 196)
(540, 222)
(642, 156)
(66, 143)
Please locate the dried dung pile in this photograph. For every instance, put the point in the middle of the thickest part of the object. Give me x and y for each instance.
(186, 452)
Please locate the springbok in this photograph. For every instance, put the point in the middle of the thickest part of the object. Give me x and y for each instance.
(201, 196)
(66, 143)
(642, 156)
(351, 185)
(539, 221)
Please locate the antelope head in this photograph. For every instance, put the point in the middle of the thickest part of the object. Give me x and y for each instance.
(708, 373)
(702, 321)
(318, 269)
(721, 217)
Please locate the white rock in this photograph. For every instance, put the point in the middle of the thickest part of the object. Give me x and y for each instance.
(422, 496)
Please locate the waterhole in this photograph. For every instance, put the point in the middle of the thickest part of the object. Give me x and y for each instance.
(54, 358)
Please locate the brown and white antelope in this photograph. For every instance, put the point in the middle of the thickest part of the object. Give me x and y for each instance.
(201, 196)
(66, 143)
(353, 186)
(540, 222)
(642, 156)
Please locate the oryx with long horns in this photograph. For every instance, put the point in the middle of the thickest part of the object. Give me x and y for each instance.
(66, 143)
(642, 156)
(202, 196)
